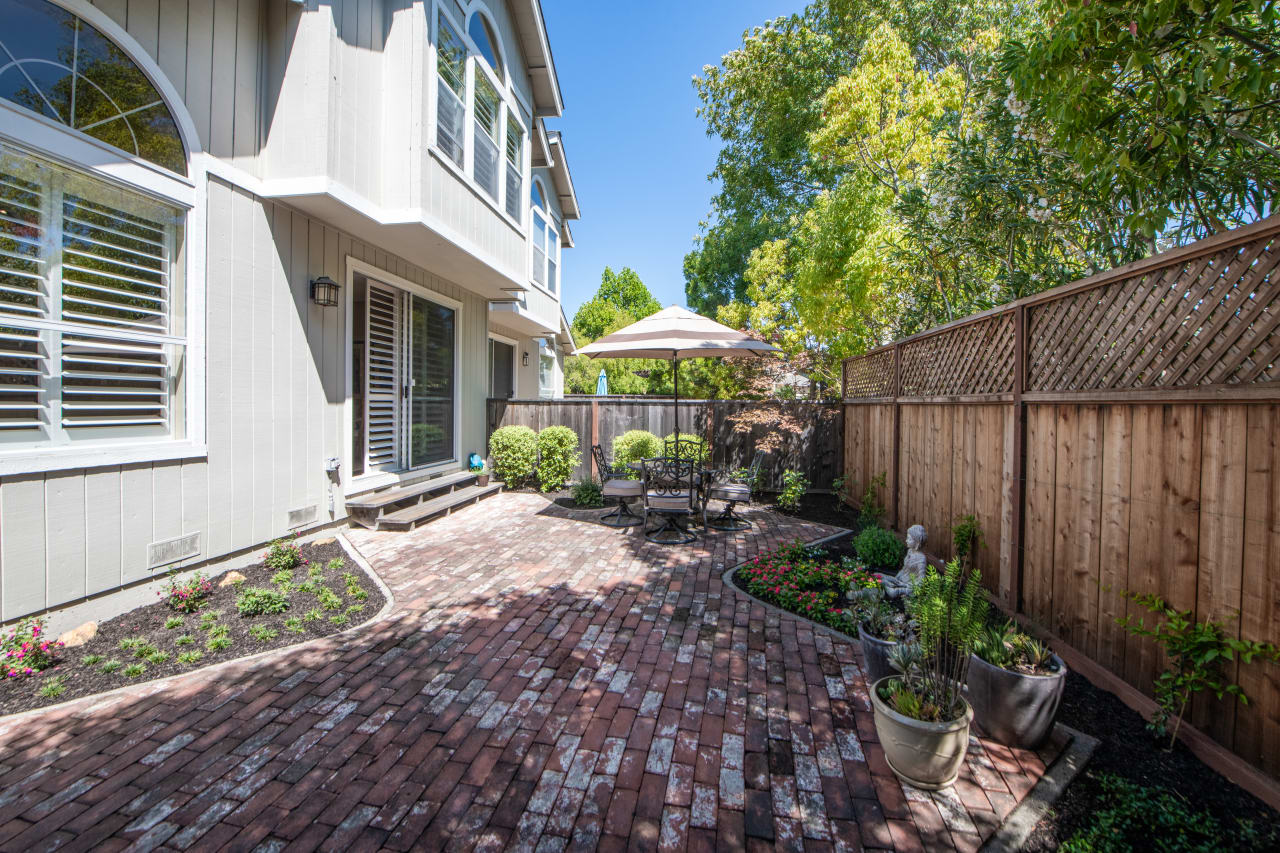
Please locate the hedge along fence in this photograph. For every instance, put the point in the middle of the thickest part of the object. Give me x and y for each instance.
(816, 449)
(1120, 432)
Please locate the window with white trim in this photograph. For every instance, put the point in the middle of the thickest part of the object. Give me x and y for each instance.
(545, 240)
(474, 86)
(92, 320)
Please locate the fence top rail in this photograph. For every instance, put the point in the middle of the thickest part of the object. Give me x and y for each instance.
(591, 398)
(1261, 229)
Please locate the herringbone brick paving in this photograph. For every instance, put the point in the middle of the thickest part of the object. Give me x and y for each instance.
(542, 683)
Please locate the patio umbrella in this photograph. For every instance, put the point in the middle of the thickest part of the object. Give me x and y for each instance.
(602, 383)
(672, 334)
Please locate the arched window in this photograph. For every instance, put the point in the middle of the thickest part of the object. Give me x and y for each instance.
(535, 195)
(54, 63)
(486, 41)
(93, 299)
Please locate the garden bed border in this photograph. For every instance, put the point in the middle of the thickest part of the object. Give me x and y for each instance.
(109, 697)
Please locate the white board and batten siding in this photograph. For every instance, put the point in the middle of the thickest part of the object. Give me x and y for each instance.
(275, 413)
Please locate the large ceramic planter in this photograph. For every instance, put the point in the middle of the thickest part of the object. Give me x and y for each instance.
(876, 653)
(924, 755)
(1012, 708)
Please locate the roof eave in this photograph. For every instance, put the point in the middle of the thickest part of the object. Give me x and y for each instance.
(562, 177)
(532, 28)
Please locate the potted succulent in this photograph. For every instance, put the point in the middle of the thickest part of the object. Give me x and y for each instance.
(477, 466)
(881, 627)
(1015, 685)
(921, 716)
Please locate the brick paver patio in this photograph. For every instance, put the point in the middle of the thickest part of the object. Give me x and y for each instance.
(542, 683)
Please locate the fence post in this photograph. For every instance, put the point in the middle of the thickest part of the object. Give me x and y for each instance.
(897, 431)
(1019, 455)
(595, 436)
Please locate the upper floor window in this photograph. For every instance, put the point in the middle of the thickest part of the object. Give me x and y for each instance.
(486, 42)
(545, 240)
(477, 118)
(57, 65)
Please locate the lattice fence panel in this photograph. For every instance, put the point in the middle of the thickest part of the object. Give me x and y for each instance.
(972, 359)
(1214, 320)
(869, 375)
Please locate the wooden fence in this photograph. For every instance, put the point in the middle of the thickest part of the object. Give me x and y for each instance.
(1118, 433)
(815, 449)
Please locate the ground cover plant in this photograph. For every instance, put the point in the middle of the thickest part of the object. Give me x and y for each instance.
(279, 603)
(805, 580)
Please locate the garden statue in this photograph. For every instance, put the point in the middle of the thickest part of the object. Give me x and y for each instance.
(913, 565)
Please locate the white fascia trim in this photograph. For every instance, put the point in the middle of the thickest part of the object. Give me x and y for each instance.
(548, 61)
(523, 313)
(60, 458)
(286, 188)
(568, 332)
(561, 167)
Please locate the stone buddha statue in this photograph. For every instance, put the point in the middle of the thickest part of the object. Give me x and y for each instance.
(913, 565)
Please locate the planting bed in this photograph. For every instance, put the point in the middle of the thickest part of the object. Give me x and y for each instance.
(246, 635)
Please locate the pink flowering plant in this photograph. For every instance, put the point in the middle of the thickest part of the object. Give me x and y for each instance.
(187, 596)
(801, 579)
(25, 649)
(282, 555)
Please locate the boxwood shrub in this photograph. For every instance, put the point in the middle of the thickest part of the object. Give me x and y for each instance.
(634, 445)
(557, 457)
(515, 454)
(879, 549)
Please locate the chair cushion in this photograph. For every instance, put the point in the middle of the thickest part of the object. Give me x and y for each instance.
(623, 489)
(731, 492)
(667, 502)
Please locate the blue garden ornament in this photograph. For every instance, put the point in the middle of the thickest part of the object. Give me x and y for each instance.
(474, 462)
(602, 383)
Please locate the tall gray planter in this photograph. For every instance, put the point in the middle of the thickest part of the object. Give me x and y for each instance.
(876, 653)
(1012, 708)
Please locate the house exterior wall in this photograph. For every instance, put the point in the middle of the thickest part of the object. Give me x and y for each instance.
(276, 92)
(276, 412)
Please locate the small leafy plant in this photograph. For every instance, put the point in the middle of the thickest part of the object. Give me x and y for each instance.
(217, 644)
(588, 493)
(328, 599)
(339, 619)
(209, 620)
(157, 657)
(111, 666)
(187, 596)
(185, 640)
(133, 670)
(879, 549)
(870, 508)
(192, 657)
(794, 486)
(263, 634)
(283, 580)
(144, 650)
(294, 625)
(91, 660)
(53, 688)
(881, 619)
(312, 615)
(282, 555)
(1196, 652)
(258, 601)
(966, 535)
(1008, 647)
(173, 622)
(24, 649)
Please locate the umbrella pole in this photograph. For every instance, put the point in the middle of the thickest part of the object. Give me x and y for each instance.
(675, 404)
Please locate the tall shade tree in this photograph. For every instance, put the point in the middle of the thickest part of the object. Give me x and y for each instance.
(1172, 107)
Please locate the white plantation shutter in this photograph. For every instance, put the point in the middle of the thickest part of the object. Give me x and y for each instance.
(485, 166)
(383, 377)
(515, 183)
(450, 116)
(451, 113)
(539, 249)
(91, 343)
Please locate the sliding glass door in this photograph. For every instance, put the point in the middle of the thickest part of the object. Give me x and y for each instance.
(431, 382)
(405, 395)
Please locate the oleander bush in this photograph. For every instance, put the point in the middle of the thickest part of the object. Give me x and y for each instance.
(557, 457)
(515, 454)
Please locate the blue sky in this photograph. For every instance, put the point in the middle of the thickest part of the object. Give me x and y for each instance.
(638, 151)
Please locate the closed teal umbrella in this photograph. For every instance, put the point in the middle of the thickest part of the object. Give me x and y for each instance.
(602, 383)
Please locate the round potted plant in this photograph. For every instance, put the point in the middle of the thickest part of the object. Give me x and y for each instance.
(881, 628)
(1015, 686)
(921, 716)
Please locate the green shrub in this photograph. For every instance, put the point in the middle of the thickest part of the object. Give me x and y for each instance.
(515, 454)
(702, 452)
(587, 493)
(557, 457)
(256, 601)
(1134, 817)
(794, 486)
(879, 549)
(635, 445)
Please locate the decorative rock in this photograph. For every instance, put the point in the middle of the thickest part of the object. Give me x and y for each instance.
(79, 636)
(913, 565)
(322, 542)
(231, 578)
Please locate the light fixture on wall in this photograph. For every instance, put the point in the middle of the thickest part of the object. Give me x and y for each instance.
(324, 291)
(524, 359)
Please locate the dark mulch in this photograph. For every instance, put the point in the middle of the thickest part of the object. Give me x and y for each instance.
(80, 679)
(1127, 749)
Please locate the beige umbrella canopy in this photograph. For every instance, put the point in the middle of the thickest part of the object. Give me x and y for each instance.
(672, 334)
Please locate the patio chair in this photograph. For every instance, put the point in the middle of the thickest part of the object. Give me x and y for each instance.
(669, 491)
(616, 481)
(733, 491)
(691, 449)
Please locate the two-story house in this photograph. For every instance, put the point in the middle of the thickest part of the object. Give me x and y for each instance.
(258, 259)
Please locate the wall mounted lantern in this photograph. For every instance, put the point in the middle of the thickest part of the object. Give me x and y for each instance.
(324, 291)
(524, 359)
